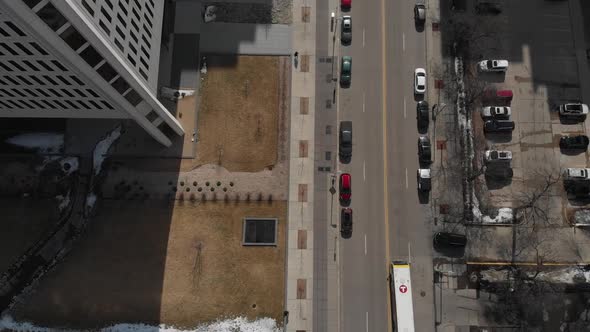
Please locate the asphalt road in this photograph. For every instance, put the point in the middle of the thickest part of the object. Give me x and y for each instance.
(389, 221)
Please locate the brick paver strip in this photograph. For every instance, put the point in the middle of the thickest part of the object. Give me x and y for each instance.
(302, 239)
(303, 105)
(303, 149)
(301, 289)
(303, 192)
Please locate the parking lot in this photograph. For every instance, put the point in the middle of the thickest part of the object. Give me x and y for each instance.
(542, 74)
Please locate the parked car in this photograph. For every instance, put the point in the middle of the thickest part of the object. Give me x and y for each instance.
(346, 223)
(346, 30)
(345, 71)
(576, 174)
(444, 239)
(493, 95)
(491, 156)
(496, 112)
(345, 189)
(498, 172)
(424, 149)
(575, 142)
(493, 65)
(488, 8)
(498, 126)
(419, 14)
(573, 110)
(345, 141)
(419, 81)
(424, 179)
(345, 4)
(422, 114)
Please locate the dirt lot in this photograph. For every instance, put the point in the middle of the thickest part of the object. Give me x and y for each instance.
(161, 262)
(241, 106)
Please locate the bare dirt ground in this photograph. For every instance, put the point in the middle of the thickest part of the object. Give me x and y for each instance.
(239, 115)
(179, 263)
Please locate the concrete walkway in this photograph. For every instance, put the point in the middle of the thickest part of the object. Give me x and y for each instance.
(301, 185)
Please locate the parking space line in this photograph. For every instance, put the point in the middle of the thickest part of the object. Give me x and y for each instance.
(364, 173)
(403, 42)
(404, 107)
(367, 320)
(363, 102)
(406, 178)
(363, 37)
(365, 244)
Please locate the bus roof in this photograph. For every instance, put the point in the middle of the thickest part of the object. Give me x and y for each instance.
(402, 287)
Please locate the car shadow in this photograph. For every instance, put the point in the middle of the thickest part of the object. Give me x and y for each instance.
(345, 43)
(492, 77)
(418, 97)
(423, 197)
(450, 251)
(498, 137)
(495, 183)
(344, 203)
(424, 164)
(569, 120)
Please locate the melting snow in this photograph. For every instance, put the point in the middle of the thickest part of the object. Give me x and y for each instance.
(229, 325)
(72, 161)
(505, 215)
(63, 201)
(103, 147)
(42, 142)
(90, 201)
(569, 275)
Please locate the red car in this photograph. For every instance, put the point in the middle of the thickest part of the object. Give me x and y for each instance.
(345, 189)
(345, 4)
(498, 95)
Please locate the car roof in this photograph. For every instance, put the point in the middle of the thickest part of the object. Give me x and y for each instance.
(424, 172)
(345, 178)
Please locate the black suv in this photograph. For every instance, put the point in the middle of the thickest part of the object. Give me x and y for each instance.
(345, 141)
(422, 114)
(498, 126)
(424, 149)
(346, 223)
(443, 239)
(576, 142)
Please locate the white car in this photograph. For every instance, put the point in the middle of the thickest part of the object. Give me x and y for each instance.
(497, 156)
(576, 174)
(573, 109)
(496, 112)
(493, 65)
(419, 81)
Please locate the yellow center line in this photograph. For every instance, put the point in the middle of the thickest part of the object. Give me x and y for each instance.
(384, 125)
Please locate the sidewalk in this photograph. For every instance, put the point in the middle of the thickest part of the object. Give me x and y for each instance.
(300, 286)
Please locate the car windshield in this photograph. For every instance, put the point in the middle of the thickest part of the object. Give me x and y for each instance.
(503, 155)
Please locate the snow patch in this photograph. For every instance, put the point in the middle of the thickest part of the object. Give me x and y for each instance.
(229, 325)
(103, 147)
(63, 202)
(505, 215)
(72, 165)
(42, 142)
(90, 201)
(569, 275)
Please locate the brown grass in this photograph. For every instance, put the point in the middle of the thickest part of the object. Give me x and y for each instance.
(154, 262)
(239, 112)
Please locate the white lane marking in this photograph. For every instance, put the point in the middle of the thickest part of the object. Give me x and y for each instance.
(409, 253)
(406, 178)
(367, 320)
(403, 41)
(364, 174)
(405, 108)
(363, 102)
(365, 244)
(363, 37)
